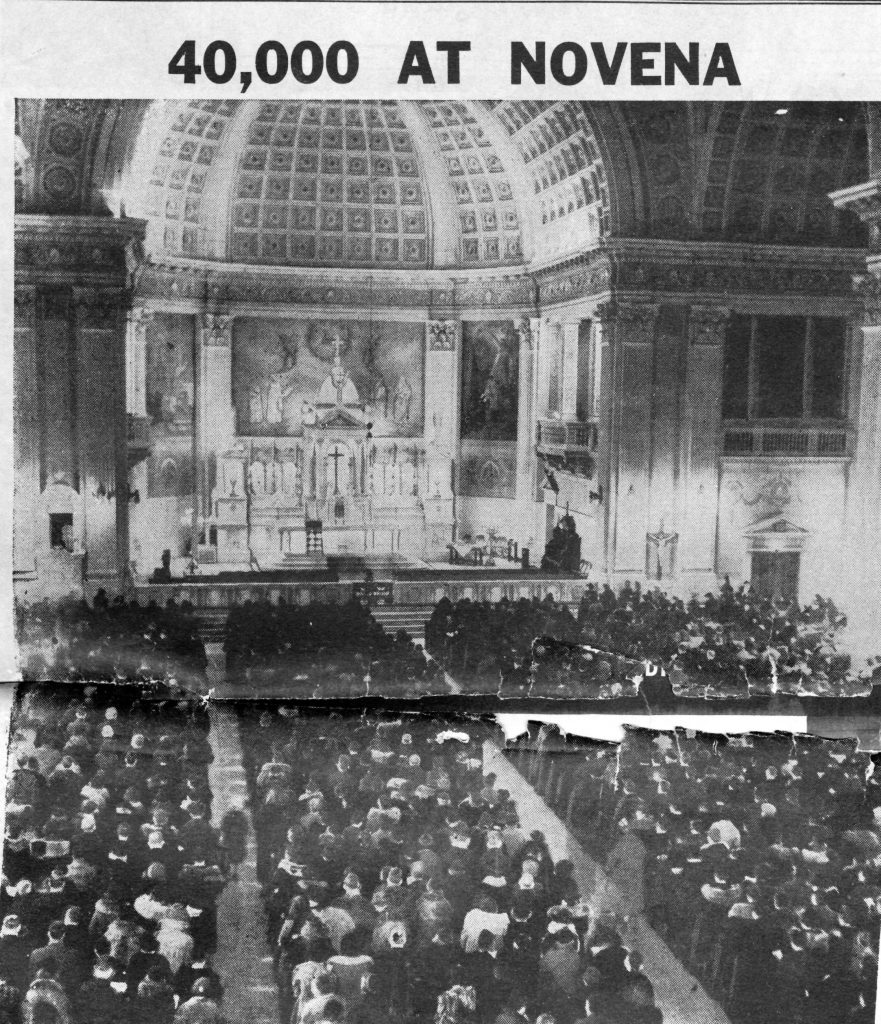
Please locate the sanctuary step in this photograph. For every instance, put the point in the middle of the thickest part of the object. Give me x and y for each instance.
(292, 560)
(411, 620)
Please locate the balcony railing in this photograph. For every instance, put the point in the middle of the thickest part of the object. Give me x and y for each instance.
(749, 439)
(567, 435)
(568, 446)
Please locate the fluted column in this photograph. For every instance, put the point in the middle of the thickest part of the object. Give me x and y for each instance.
(214, 427)
(699, 452)
(569, 393)
(863, 568)
(527, 332)
(628, 337)
(101, 426)
(442, 382)
(25, 434)
(136, 360)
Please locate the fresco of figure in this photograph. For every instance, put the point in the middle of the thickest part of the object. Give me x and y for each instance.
(402, 400)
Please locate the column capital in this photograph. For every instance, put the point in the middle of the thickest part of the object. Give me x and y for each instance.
(632, 322)
(216, 329)
(868, 287)
(528, 329)
(98, 309)
(25, 303)
(707, 324)
(443, 335)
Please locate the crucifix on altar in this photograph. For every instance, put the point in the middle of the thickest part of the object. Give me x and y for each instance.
(338, 453)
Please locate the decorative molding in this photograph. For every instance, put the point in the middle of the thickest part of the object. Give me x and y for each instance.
(629, 323)
(707, 324)
(89, 249)
(868, 287)
(443, 335)
(216, 330)
(25, 305)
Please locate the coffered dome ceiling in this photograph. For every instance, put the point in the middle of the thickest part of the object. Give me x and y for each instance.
(438, 184)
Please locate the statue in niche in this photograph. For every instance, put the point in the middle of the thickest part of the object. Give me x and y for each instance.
(380, 400)
(392, 474)
(273, 476)
(377, 475)
(257, 477)
(408, 478)
(402, 401)
(290, 472)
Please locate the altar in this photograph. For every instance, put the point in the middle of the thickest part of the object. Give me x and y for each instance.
(334, 489)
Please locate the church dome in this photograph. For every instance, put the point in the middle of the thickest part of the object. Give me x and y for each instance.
(332, 183)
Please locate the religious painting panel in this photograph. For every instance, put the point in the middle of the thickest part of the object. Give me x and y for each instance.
(170, 470)
(170, 389)
(488, 469)
(489, 380)
(286, 371)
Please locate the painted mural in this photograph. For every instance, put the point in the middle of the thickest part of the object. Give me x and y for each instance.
(170, 359)
(284, 371)
(489, 380)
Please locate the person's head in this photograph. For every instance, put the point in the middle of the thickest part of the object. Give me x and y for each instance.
(56, 931)
(640, 993)
(324, 984)
(333, 1010)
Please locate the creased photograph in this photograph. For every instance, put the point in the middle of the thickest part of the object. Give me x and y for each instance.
(180, 862)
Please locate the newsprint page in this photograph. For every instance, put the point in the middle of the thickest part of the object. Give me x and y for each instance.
(441, 486)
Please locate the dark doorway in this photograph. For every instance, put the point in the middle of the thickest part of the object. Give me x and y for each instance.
(775, 574)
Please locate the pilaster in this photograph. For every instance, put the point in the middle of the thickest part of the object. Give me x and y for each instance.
(443, 344)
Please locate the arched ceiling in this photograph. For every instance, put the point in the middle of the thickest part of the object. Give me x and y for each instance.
(422, 184)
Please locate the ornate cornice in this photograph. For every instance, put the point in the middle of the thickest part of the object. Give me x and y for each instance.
(233, 285)
(73, 249)
(689, 270)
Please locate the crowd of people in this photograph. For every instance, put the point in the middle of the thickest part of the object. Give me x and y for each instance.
(400, 887)
(322, 649)
(758, 860)
(111, 867)
(110, 640)
(731, 644)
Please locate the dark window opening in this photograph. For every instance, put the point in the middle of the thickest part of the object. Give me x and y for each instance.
(61, 531)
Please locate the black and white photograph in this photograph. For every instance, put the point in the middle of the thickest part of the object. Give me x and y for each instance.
(346, 397)
(180, 862)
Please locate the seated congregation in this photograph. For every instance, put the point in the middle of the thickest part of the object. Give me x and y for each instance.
(110, 641)
(757, 860)
(324, 649)
(111, 868)
(399, 886)
(731, 644)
